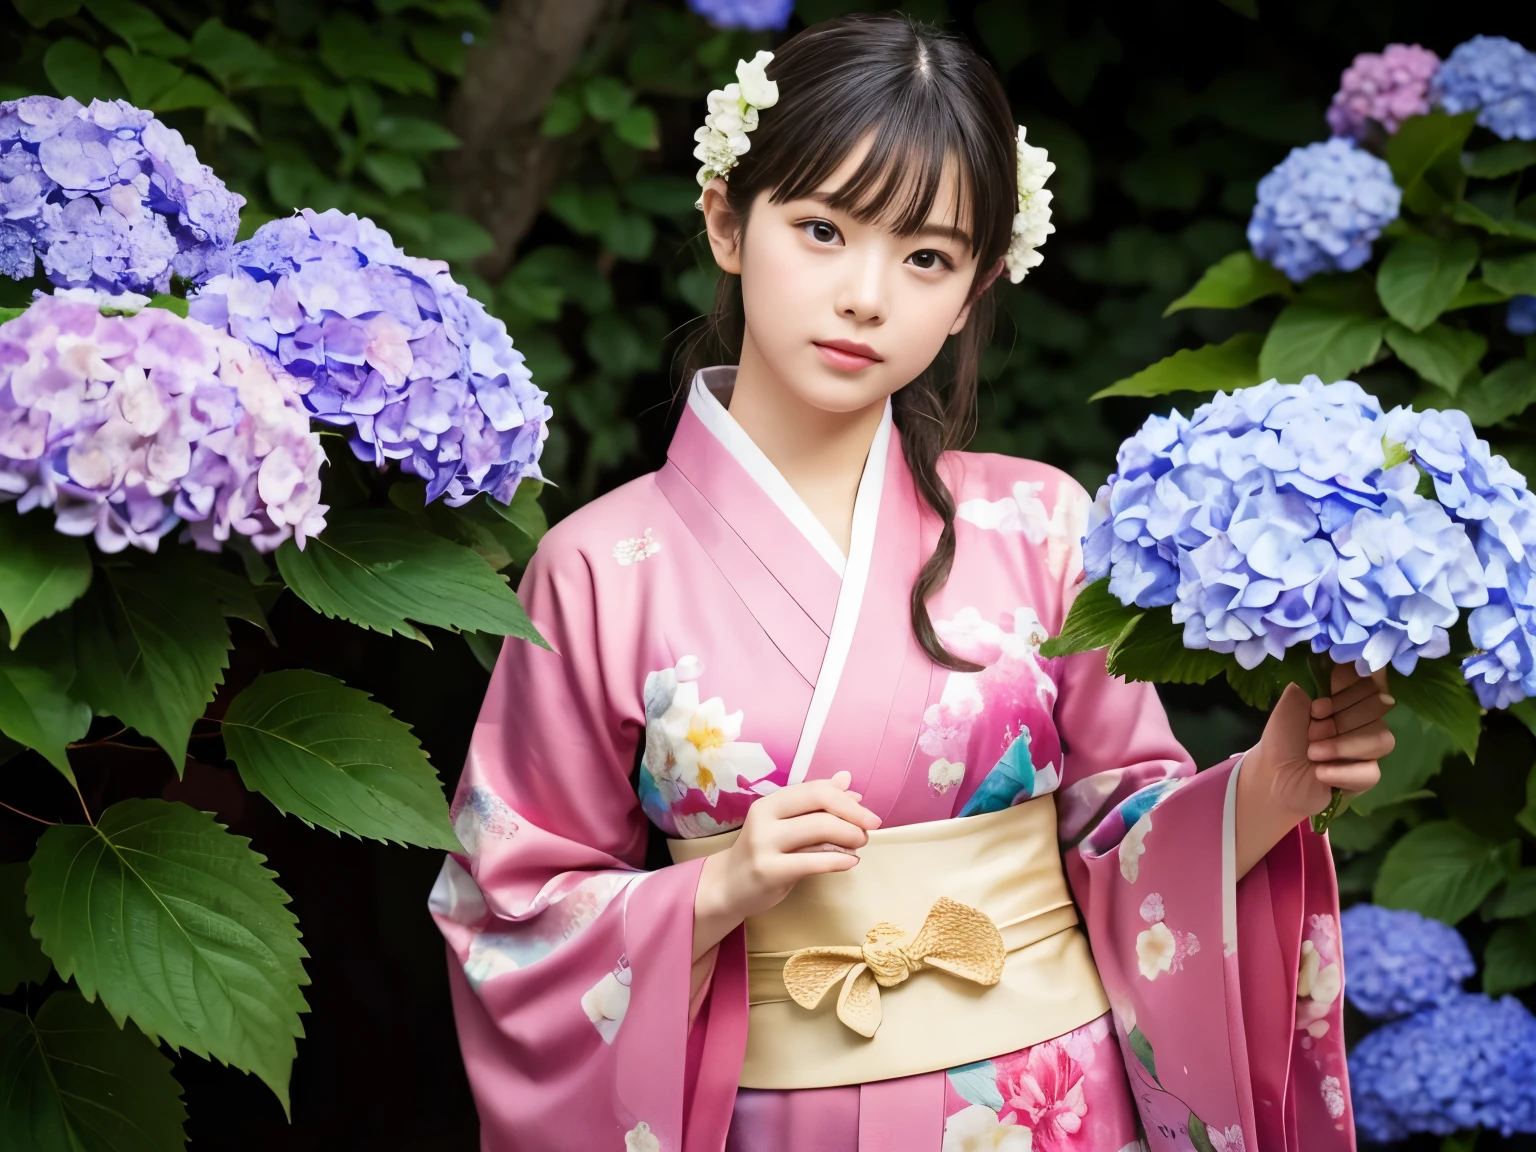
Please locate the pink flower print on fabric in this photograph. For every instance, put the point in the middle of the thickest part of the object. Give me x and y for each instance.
(1227, 1139)
(565, 908)
(607, 1001)
(1159, 948)
(1043, 1088)
(636, 549)
(480, 814)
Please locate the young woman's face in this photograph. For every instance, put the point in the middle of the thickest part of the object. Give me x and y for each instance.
(843, 313)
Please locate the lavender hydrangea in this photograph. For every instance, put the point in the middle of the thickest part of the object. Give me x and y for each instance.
(389, 346)
(1383, 88)
(1470, 1063)
(1320, 209)
(1496, 78)
(107, 197)
(1520, 318)
(126, 425)
(751, 15)
(1399, 962)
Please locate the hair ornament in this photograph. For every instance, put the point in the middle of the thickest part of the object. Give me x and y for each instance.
(733, 113)
(1032, 223)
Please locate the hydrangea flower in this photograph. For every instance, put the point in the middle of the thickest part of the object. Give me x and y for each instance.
(389, 346)
(751, 15)
(126, 425)
(1399, 962)
(1495, 77)
(107, 197)
(1470, 1063)
(1386, 87)
(1320, 209)
(1520, 318)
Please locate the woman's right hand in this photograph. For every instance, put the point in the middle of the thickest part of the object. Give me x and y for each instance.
(801, 830)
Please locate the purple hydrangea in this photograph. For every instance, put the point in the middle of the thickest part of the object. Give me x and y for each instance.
(1470, 1063)
(1520, 318)
(107, 197)
(1496, 78)
(1320, 209)
(751, 15)
(127, 424)
(1399, 962)
(1273, 517)
(1385, 88)
(389, 346)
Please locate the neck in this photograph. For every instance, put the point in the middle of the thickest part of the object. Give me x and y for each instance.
(821, 454)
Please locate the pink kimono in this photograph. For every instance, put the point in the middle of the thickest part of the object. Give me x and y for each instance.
(711, 643)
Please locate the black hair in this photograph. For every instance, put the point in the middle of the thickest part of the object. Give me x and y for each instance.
(930, 106)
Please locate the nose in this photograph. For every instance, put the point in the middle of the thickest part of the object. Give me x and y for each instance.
(862, 293)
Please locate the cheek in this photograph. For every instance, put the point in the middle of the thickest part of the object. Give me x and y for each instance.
(776, 282)
(923, 317)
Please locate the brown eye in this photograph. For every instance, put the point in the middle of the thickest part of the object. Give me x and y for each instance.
(927, 259)
(820, 231)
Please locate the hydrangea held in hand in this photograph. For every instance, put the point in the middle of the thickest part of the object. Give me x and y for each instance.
(750, 15)
(1399, 962)
(1320, 209)
(1386, 87)
(388, 345)
(126, 425)
(107, 197)
(1496, 78)
(1470, 1063)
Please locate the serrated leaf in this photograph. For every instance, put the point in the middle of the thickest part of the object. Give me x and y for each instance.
(379, 571)
(1142, 1047)
(1506, 391)
(1442, 355)
(1519, 896)
(1227, 366)
(1421, 276)
(21, 960)
(331, 756)
(1442, 870)
(1233, 282)
(1425, 157)
(175, 924)
(1308, 338)
(1439, 693)
(38, 707)
(526, 515)
(1095, 620)
(1420, 750)
(1509, 960)
(1511, 275)
(1152, 649)
(151, 646)
(71, 1079)
(1501, 159)
(41, 571)
(1260, 686)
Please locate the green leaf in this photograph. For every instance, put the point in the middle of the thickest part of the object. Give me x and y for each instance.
(1198, 1136)
(444, 47)
(662, 195)
(195, 92)
(456, 237)
(1260, 687)
(1506, 391)
(21, 960)
(1501, 159)
(331, 756)
(1233, 282)
(1095, 620)
(151, 646)
(414, 134)
(525, 514)
(73, 67)
(1248, 8)
(1142, 1047)
(1511, 275)
(138, 27)
(37, 707)
(146, 77)
(1474, 294)
(71, 1079)
(1439, 693)
(1442, 355)
(485, 649)
(1425, 157)
(176, 304)
(1465, 212)
(40, 13)
(1517, 900)
(352, 51)
(231, 57)
(629, 235)
(585, 211)
(379, 571)
(1509, 960)
(1420, 277)
(41, 570)
(639, 128)
(1420, 750)
(394, 172)
(1227, 366)
(607, 98)
(1153, 649)
(1441, 870)
(1308, 339)
(176, 924)
(562, 115)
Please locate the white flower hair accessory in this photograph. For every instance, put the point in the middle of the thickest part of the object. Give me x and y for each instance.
(1032, 223)
(733, 113)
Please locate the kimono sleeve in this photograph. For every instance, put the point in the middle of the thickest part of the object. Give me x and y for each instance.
(569, 965)
(1203, 971)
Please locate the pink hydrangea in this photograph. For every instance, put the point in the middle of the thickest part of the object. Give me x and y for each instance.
(127, 424)
(1387, 87)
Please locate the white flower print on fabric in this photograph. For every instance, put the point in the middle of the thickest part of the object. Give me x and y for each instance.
(636, 549)
(1320, 977)
(1131, 848)
(1228, 1139)
(978, 1129)
(1333, 1096)
(481, 815)
(455, 895)
(945, 774)
(1159, 948)
(606, 1002)
(1152, 908)
(694, 744)
(640, 1138)
(1022, 512)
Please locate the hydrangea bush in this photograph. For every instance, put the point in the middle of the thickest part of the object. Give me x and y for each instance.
(1399, 962)
(1384, 88)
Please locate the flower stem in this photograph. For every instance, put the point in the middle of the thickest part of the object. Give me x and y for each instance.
(1321, 666)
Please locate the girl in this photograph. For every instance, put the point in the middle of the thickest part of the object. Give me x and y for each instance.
(801, 663)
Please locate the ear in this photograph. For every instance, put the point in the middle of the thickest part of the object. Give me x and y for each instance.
(722, 227)
(983, 282)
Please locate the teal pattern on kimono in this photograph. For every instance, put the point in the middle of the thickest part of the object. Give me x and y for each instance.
(1010, 780)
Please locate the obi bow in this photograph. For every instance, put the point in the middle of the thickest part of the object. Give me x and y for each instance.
(954, 938)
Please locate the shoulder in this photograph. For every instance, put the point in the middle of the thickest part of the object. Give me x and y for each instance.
(988, 478)
(616, 530)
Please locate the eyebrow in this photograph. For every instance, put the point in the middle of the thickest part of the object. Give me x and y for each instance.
(941, 231)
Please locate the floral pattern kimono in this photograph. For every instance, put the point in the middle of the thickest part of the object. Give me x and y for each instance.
(710, 644)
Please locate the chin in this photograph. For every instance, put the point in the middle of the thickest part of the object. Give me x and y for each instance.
(833, 391)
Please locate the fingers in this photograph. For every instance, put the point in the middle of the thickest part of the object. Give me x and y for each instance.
(1359, 688)
(799, 832)
(1351, 776)
(819, 796)
(1357, 715)
(1371, 742)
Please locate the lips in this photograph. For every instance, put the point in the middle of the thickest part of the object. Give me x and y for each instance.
(848, 355)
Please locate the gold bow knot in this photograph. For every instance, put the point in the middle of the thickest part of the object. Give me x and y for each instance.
(954, 938)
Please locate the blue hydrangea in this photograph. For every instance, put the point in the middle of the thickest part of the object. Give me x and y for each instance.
(107, 197)
(390, 347)
(1272, 517)
(1470, 1063)
(1320, 209)
(1399, 962)
(752, 15)
(1520, 318)
(1494, 77)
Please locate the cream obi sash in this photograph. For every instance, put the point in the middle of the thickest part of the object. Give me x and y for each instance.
(952, 941)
